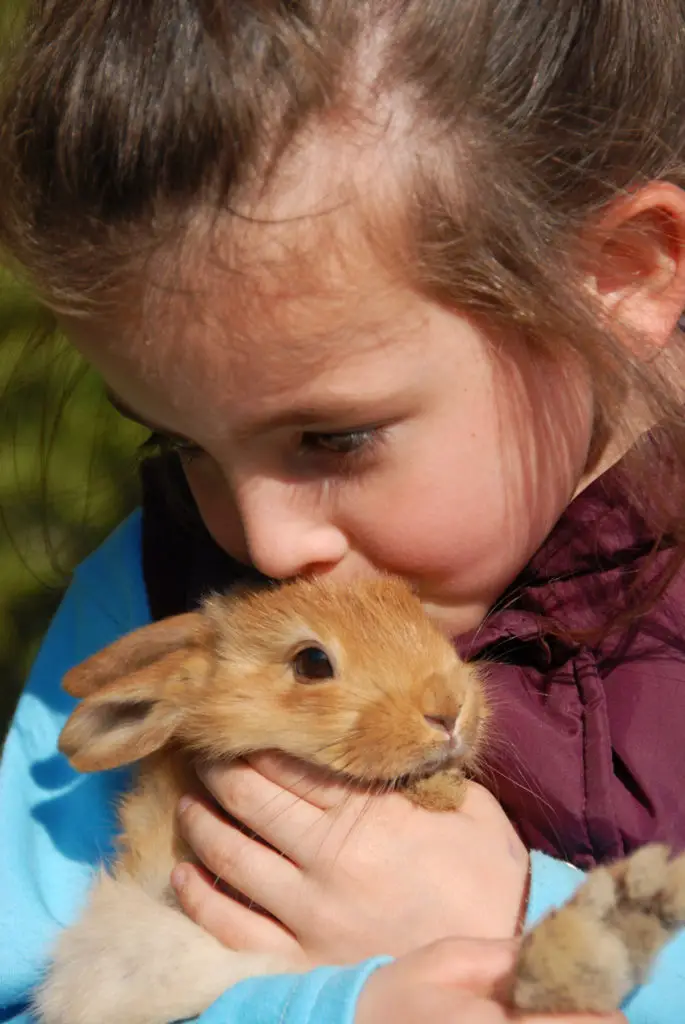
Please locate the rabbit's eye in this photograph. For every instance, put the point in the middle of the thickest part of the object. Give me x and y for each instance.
(312, 664)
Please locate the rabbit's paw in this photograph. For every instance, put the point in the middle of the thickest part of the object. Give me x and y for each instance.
(588, 955)
(444, 791)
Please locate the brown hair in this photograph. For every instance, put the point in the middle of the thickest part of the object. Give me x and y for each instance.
(118, 118)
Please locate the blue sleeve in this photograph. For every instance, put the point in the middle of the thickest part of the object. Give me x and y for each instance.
(662, 999)
(57, 825)
(325, 996)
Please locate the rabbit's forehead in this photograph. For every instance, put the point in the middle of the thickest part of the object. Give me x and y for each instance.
(277, 636)
(365, 635)
(410, 654)
(373, 637)
(292, 632)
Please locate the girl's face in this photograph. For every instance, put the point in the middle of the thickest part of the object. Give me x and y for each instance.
(331, 420)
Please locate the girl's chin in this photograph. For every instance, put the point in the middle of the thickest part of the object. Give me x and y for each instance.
(454, 619)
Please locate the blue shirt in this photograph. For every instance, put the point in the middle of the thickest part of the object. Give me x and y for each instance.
(57, 825)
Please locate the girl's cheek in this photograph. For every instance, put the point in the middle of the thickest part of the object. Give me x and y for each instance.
(216, 505)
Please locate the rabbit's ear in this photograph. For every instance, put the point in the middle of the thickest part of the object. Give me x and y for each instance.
(136, 714)
(136, 650)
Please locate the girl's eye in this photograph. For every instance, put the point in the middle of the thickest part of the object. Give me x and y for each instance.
(347, 442)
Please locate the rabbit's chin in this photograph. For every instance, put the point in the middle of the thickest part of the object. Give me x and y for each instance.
(451, 757)
(398, 776)
(433, 765)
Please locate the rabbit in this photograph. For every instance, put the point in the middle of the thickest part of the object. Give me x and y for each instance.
(354, 679)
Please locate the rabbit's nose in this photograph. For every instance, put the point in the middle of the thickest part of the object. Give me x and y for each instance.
(444, 722)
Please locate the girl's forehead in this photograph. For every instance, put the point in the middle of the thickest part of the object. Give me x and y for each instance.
(284, 294)
(290, 280)
(297, 293)
(301, 312)
(299, 269)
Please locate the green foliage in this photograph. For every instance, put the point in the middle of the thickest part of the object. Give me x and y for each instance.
(67, 475)
(10, 16)
(68, 465)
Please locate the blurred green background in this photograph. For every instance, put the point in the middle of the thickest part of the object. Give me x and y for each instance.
(68, 467)
(68, 474)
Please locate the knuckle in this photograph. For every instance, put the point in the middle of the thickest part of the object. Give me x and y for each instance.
(224, 783)
(225, 862)
(229, 863)
(190, 819)
(191, 899)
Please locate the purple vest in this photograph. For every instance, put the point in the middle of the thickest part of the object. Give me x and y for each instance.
(587, 740)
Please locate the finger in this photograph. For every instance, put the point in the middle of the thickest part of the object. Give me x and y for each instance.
(313, 785)
(229, 920)
(275, 814)
(261, 874)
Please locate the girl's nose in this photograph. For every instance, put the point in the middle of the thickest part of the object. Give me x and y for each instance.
(285, 535)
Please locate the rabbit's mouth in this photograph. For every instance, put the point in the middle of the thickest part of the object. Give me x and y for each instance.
(450, 753)
(401, 776)
(449, 756)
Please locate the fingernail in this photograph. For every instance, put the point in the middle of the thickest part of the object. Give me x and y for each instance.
(179, 876)
(184, 803)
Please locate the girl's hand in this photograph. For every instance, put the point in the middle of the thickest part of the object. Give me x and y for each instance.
(345, 875)
(454, 981)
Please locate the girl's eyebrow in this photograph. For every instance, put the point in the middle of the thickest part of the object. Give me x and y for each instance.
(294, 417)
(303, 416)
(288, 418)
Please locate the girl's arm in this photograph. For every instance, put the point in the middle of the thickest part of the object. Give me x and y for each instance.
(328, 994)
(56, 825)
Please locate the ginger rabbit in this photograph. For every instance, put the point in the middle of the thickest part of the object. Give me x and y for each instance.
(356, 680)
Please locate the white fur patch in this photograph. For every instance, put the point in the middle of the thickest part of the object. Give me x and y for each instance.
(133, 960)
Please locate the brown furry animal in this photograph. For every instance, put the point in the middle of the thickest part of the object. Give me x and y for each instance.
(354, 679)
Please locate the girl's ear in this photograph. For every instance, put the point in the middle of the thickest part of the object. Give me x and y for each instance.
(638, 264)
(135, 715)
(136, 650)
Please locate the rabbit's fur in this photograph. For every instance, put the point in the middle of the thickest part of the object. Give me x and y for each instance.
(400, 709)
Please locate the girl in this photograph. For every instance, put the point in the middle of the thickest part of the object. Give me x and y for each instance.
(395, 286)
